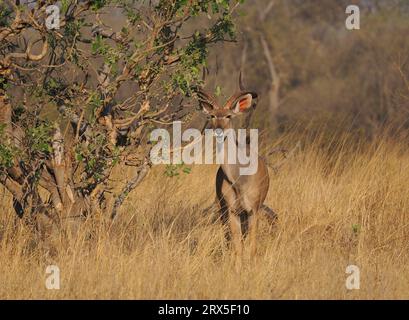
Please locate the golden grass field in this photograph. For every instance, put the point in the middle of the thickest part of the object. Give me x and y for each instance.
(339, 203)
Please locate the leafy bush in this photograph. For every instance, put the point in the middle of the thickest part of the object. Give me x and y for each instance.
(95, 89)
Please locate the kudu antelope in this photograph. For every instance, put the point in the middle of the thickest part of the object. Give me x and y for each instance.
(240, 197)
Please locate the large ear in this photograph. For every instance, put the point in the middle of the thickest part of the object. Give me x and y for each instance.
(206, 106)
(206, 102)
(243, 103)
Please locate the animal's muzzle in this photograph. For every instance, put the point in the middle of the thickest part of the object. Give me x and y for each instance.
(219, 134)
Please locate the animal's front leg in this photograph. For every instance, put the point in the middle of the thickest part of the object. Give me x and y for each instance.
(236, 236)
(252, 232)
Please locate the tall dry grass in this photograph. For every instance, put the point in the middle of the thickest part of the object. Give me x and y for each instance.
(339, 203)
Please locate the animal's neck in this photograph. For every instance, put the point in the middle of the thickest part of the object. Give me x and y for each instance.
(231, 165)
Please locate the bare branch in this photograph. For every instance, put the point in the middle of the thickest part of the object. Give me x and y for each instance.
(275, 79)
(266, 10)
(58, 162)
(132, 184)
(13, 187)
(287, 156)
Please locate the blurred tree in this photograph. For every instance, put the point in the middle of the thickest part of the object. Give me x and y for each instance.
(308, 67)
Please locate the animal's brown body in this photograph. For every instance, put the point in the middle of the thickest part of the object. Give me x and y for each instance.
(240, 197)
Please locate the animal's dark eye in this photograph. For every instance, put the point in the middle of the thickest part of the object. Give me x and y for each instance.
(212, 116)
(228, 117)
